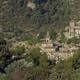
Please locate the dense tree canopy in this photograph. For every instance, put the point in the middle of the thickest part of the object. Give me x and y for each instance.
(17, 20)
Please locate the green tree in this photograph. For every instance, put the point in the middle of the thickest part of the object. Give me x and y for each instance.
(37, 74)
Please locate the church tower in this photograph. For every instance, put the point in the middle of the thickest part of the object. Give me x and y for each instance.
(47, 37)
(72, 23)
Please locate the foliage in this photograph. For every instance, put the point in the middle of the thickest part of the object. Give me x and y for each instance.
(22, 23)
(37, 74)
(20, 64)
(74, 40)
(3, 77)
(36, 57)
(33, 41)
(19, 50)
(37, 66)
(68, 69)
(65, 70)
(5, 55)
(2, 41)
(15, 66)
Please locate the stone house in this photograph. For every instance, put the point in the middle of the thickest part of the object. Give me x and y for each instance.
(57, 51)
(73, 30)
(47, 45)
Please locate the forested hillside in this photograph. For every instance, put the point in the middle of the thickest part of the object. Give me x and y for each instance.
(26, 22)
(35, 66)
(17, 20)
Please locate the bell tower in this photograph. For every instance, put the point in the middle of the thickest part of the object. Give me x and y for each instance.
(47, 37)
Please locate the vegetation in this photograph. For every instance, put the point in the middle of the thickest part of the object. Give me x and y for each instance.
(74, 40)
(23, 23)
(33, 41)
(5, 54)
(18, 22)
(36, 66)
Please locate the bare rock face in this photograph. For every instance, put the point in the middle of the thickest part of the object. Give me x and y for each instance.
(31, 5)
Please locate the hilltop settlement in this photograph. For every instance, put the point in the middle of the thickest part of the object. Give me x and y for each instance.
(58, 50)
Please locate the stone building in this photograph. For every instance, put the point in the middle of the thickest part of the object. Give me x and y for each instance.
(57, 51)
(73, 30)
(47, 45)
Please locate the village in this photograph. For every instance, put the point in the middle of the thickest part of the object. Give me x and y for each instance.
(61, 51)
(56, 50)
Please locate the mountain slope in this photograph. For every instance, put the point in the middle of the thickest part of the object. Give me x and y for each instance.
(18, 20)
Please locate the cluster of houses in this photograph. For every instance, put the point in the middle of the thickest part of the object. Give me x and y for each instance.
(57, 50)
(73, 30)
(61, 51)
